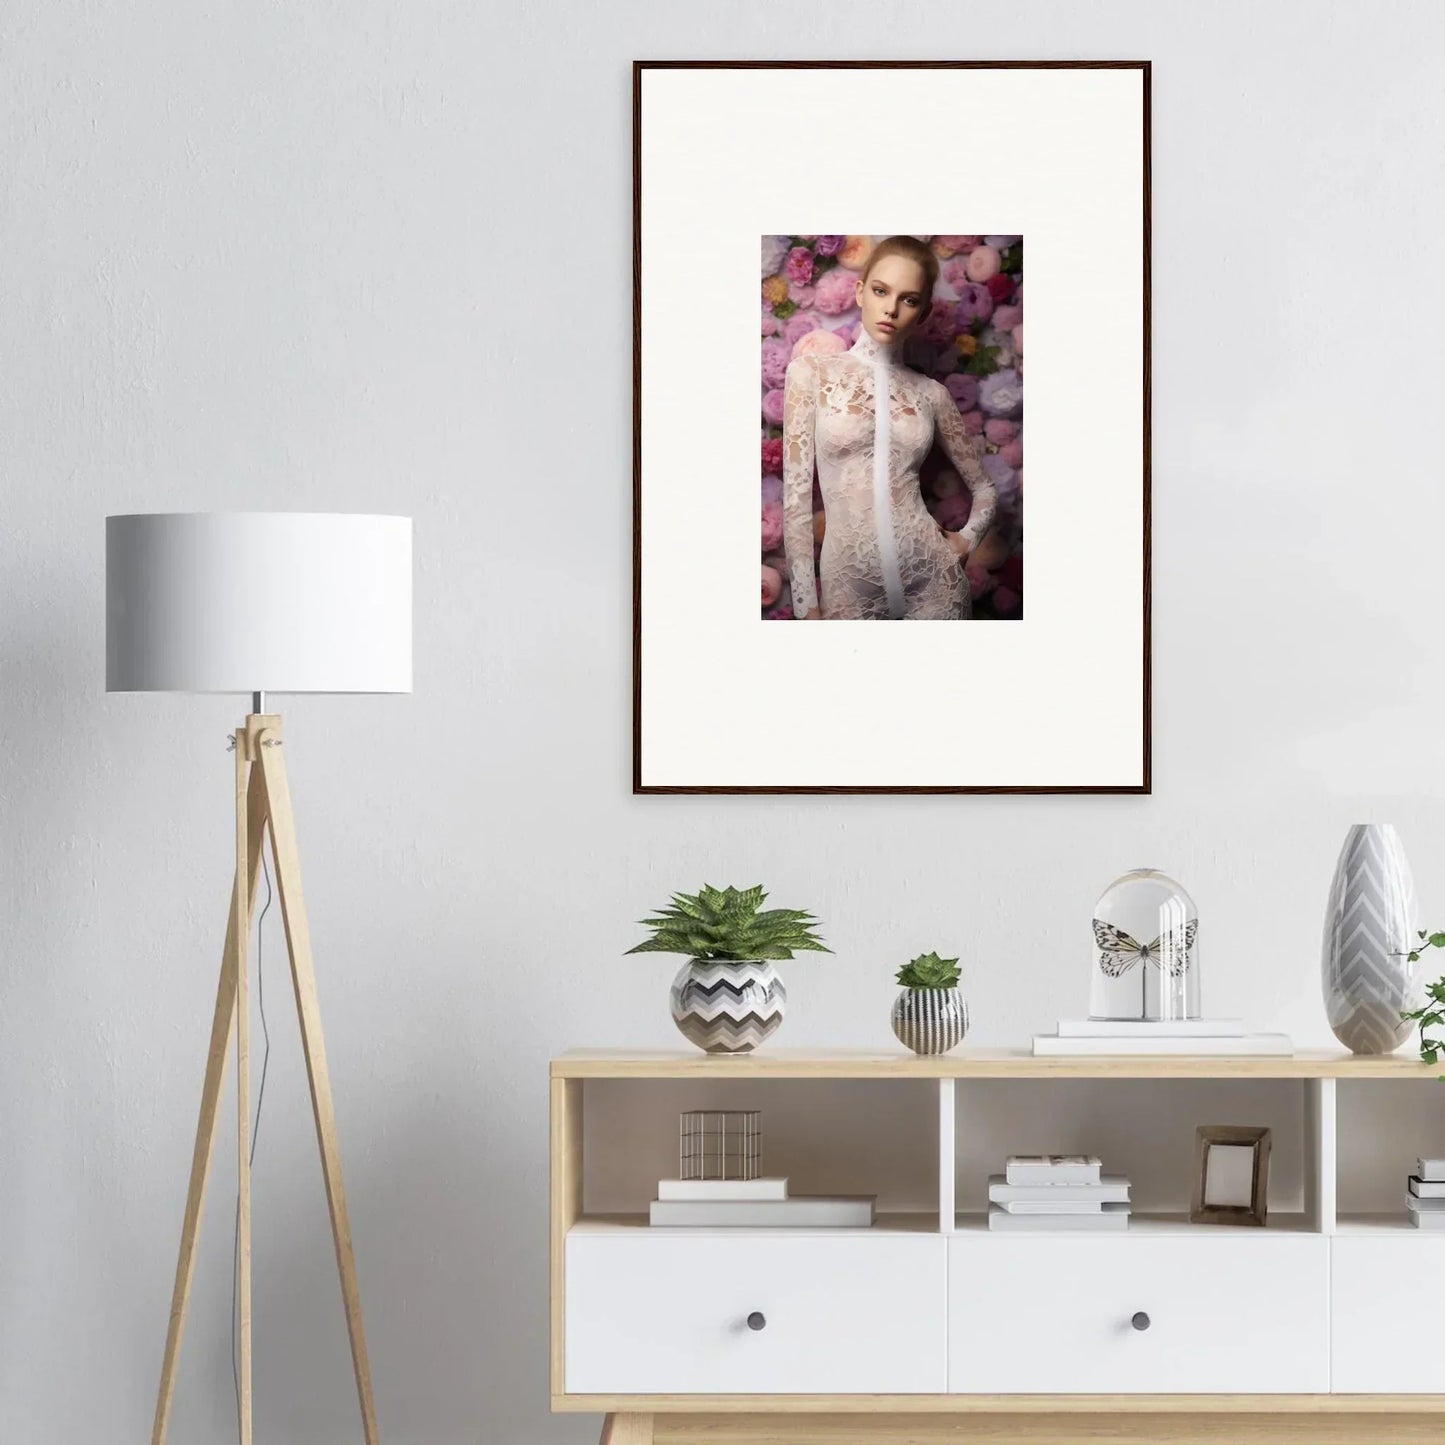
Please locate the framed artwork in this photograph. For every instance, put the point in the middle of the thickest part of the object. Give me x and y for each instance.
(1231, 1179)
(879, 401)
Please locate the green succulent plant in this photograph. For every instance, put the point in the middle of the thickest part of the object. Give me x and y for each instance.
(928, 970)
(729, 924)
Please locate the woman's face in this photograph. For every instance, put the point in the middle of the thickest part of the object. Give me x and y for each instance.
(891, 299)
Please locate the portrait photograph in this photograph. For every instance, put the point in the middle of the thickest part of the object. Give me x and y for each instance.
(776, 286)
(913, 510)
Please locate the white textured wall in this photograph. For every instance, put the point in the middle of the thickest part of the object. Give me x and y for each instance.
(375, 257)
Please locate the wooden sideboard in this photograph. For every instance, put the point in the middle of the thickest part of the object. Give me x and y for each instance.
(927, 1327)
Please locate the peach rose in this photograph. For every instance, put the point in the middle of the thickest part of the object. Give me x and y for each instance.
(772, 586)
(983, 262)
(855, 253)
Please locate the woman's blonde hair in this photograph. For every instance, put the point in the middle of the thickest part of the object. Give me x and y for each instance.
(912, 249)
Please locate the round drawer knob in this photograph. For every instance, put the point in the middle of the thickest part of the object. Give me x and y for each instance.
(1140, 1321)
(756, 1320)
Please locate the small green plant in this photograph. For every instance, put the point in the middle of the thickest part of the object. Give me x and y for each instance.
(928, 970)
(729, 924)
(1432, 1015)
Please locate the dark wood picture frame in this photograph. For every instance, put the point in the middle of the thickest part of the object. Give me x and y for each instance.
(1145, 784)
(1255, 1213)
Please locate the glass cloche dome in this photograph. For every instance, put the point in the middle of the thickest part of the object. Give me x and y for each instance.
(1146, 954)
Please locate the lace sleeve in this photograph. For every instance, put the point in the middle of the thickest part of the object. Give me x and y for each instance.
(800, 405)
(962, 452)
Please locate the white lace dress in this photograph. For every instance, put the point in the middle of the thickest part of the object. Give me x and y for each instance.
(883, 555)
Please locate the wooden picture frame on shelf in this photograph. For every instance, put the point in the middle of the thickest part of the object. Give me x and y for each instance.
(1219, 1181)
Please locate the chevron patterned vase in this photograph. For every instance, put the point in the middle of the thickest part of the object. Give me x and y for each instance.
(728, 1007)
(1370, 924)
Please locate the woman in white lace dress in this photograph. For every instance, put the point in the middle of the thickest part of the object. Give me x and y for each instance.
(883, 556)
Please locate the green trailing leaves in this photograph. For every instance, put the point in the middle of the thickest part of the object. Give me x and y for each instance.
(928, 970)
(729, 924)
(1432, 1014)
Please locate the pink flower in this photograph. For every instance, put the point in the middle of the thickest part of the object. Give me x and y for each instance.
(1013, 453)
(781, 614)
(772, 586)
(778, 561)
(819, 343)
(983, 262)
(799, 265)
(1000, 430)
(800, 295)
(1007, 317)
(771, 326)
(954, 245)
(963, 389)
(772, 525)
(772, 489)
(834, 293)
(954, 274)
(773, 407)
(973, 423)
(1005, 599)
(800, 323)
(942, 324)
(776, 355)
(830, 245)
(974, 303)
(772, 456)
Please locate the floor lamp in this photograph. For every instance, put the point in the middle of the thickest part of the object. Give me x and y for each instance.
(258, 602)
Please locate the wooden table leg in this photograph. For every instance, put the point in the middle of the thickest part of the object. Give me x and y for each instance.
(627, 1430)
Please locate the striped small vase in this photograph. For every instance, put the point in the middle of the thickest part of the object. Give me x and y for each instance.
(930, 1020)
(728, 1007)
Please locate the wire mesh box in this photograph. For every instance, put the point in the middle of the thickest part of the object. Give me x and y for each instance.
(720, 1144)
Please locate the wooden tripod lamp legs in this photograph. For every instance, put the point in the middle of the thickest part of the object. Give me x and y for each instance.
(263, 798)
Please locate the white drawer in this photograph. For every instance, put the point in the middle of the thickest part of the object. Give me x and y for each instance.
(660, 1312)
(1052, 1314)
(1385, 1313)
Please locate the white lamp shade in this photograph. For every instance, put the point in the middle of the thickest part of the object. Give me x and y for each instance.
(257, 602)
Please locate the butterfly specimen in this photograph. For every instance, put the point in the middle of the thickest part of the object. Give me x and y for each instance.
(1118, 952)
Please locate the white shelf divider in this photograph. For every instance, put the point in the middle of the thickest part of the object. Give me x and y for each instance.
(946, 1147)
(1320, 1154)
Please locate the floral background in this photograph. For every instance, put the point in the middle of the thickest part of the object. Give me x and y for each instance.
(972, 342)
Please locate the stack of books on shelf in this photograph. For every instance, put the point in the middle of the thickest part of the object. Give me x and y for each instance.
(1223, 1038)
(1425, 1194)
(712, 1203)
(1057, 1191)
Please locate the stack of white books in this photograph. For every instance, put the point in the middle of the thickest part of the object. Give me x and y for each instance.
(1057, 1191)
(1425, 1195)
(1216, 1037)
(760, 1202)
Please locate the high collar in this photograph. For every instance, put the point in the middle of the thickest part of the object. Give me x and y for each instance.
(865, 348)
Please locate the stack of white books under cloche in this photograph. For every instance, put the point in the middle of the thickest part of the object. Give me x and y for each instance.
(758, 1202)
(1425, 1194)
(1222, 1038)
(1057, 1191)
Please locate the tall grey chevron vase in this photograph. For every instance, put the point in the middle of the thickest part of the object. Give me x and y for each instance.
(726, 1006)
(1370, 925)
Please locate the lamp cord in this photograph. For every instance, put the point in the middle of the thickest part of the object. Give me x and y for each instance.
(255, 1130)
